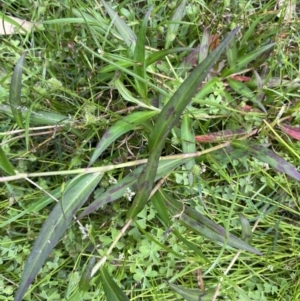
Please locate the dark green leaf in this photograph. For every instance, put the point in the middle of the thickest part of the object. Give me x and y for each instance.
(58, 221)
(15, 91)
(121, 127)
(111, 289)
(139, 57)
(167, 119)
(265, 155)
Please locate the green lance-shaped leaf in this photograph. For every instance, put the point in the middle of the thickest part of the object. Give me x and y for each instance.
(188, 145)
(58, 221)
(246, 229)
(130, 181)
(111, 289)
(15, 91)
(139, 57)
(124, 30)
(201, 224)
(5, 164)
(156, 56)
(241, 62)
(231, 53)
(191, 294)
(167, 119)
(244, 91)
(121, 127)
(85, 280)
(174, 24)
(265, 155)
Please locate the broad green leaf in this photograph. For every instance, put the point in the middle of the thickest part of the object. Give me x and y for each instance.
(128, 123)
(174, 23)
(248, 34)
(265, 155)
(244, 91)
(111, 289)
(15, 91)
(124, 30)
(165, 122)
(56, 224)
(85, 280)
(188, 145)
(139, 57)
(201, 224)
(130, 181)
(191, 294)
(5, 164)
(241, 62)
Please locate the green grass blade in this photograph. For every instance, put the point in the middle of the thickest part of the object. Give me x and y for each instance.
(156, 56)
(231, 53)
(15, 91)
(111, 289)
(174, 24)
(246, 229)
(55, 226)
(124, 30)
(191, 294)
(5, 164)
(85, 280)
(244, 60)
(188, 145)
(244, 91)
(139, 57)
(121, 127)
(167, 119)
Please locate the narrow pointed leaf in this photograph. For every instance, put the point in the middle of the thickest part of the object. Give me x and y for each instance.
(139, 57)
(55, 226)
(231, 53)
(244, 60)
(128, 123)
(244, 91)
(124, 30)
(188, 145)
(15, 91)
(246, 229)
(85, 280)
(130, 181)
(165, 122)
(174, 24)
(265, 155)
(5, 164)
(111, 289)
(156, 56)
(201, 224)
(191, 294)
